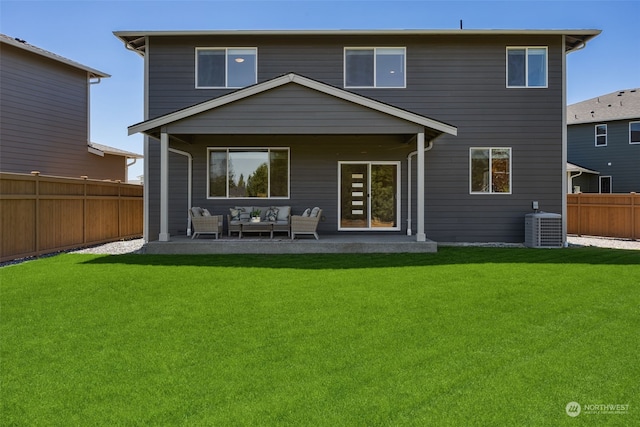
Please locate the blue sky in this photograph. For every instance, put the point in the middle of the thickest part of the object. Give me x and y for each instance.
(82, 31)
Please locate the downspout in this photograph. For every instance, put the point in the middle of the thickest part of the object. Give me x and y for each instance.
(570, 189)
(189, 180)
(94, 82)
(413, 153)
(126, 169)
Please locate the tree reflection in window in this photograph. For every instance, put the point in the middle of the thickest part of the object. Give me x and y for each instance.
(250, 173)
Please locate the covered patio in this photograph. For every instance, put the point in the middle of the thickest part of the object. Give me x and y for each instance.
(323, 132)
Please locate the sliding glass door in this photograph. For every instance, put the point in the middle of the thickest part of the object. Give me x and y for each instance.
(369, 195)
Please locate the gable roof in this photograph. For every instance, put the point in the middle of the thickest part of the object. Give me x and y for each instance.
(292, 78)
(619, 105)
(105, 149)
(21, 44)
(572, 167)
(137, 40)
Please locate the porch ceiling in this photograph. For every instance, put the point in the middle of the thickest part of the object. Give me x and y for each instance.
(292, 104)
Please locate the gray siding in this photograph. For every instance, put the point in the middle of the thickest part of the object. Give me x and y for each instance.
(454, 79)
(292, 109)
(618, 159)
(44, 119)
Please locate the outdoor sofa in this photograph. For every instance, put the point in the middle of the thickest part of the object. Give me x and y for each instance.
(279, 215)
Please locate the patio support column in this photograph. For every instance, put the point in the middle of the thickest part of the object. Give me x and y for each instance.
(420, 235)
(164, 186)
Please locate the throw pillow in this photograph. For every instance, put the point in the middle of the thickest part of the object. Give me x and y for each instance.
(235, 214)
(196, 211)
(272, 214)
(283, 213)
(314, 212)
(306, 212)
(205, 212)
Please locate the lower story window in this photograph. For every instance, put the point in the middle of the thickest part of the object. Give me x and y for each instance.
(490, 170)
(248, 172)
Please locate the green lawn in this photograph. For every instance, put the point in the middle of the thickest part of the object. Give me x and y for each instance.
(467, 336)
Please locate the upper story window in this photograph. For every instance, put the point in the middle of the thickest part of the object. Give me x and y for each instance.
(226, 67)
(374, 67)
(526, 67)
(490, 170)
(634, 132)
(601, 135)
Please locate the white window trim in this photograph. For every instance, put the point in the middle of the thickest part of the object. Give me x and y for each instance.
(632, 143)
(600, 184)
(375, 56)
(606, 135)
(226, 66)
(227, 149)
(526, 67)
(491, 193)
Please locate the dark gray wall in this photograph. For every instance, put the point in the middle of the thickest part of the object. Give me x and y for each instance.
(624, 169)
(44, 119)
(459, 80)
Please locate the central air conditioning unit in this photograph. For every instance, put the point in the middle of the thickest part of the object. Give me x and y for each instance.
(543, 230)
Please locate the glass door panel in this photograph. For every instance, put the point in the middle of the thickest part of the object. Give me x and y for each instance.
(384, 206)
(354, 192)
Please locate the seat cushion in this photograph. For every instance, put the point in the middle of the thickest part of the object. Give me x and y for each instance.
(283, 213)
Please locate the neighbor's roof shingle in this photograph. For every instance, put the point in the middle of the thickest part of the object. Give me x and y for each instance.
(619, 105)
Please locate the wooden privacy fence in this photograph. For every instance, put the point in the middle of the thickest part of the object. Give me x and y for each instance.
(44, 214)
(608, 215)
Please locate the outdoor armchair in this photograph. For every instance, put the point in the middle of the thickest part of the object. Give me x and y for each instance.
(307, 223)
(204, 223)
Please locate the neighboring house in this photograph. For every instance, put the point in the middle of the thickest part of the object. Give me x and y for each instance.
(443, 134)
(573, 173)
(603, 134)
(44, 116)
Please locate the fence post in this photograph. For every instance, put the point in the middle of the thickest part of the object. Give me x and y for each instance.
(36, 174)
(84, 209)
(579, 215)
(119, 208)
(633, 215)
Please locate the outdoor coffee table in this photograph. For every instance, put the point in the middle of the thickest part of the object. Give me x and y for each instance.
(257, 227)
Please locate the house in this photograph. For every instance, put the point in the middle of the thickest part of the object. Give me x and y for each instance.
(44, 116)
(573, 172)
(603, 135)
(447, 135)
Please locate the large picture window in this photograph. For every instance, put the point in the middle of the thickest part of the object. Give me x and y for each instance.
(248, 172)
(490, 170)
(374, 67)
(225, 67)
(526, 67)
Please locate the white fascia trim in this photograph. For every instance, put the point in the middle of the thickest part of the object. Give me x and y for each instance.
(303, 81)
(142, 33)
(208, 105)
(375, 105)
(96, 151)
